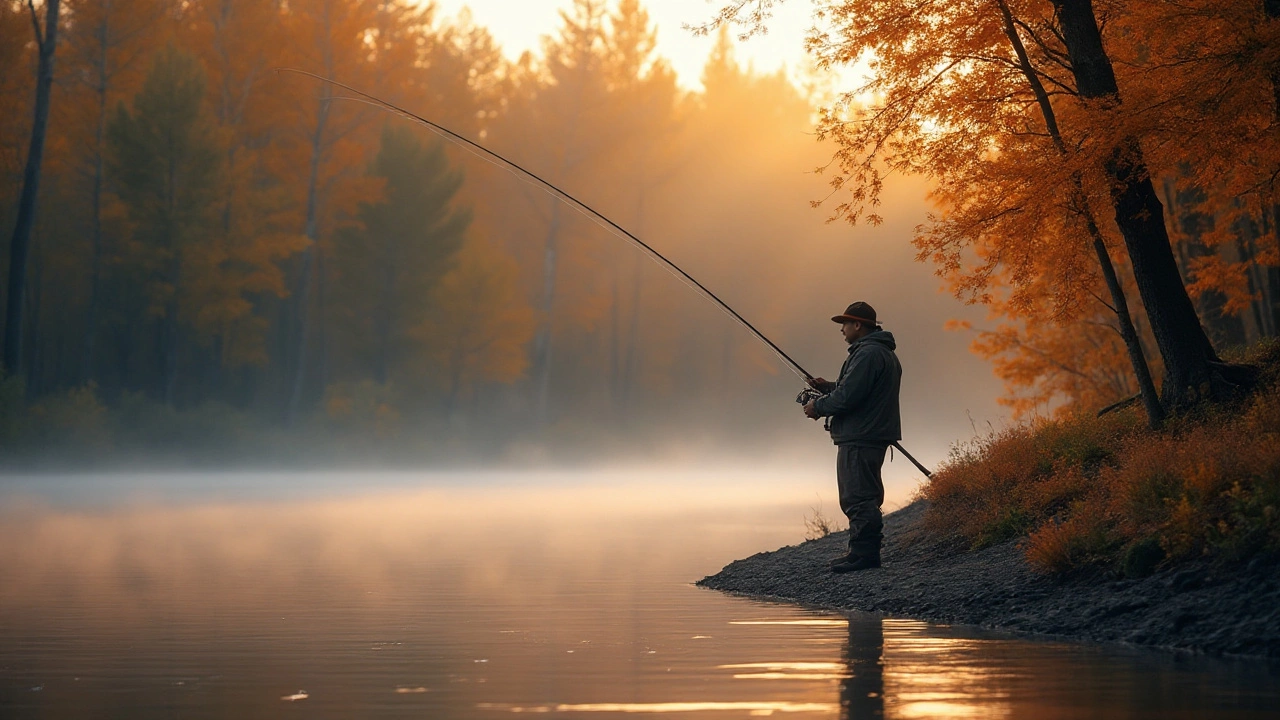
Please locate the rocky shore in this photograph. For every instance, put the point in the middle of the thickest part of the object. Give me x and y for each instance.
(1200, 608)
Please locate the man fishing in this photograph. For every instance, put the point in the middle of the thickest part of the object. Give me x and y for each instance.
(862, 404)
(865, 421)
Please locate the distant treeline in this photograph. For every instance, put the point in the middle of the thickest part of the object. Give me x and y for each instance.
(213, 238)
(219, 245)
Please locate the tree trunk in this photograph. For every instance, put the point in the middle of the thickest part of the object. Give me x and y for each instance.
(631, 358)
(383, 321)
(615, 343)
(95, 259)
(625, 359)
(1183, 344)
(20, 245)
(542, 343)
(302, 302)
(1272, 10)
(1120, 304)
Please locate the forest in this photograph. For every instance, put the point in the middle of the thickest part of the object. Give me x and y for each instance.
(201, 251)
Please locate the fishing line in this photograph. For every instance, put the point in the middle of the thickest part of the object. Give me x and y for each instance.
(585, 210)
(582, 208)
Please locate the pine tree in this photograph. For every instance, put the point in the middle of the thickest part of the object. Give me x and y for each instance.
(165, 162)
(390, 265)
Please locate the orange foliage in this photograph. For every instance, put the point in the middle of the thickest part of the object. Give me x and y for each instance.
(1088, 490)
(479, 325)
(945, 97)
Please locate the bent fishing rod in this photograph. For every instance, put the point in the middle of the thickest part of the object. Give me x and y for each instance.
(584, 209)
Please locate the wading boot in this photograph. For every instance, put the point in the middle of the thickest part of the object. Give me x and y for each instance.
(848, 557)
(855, 563)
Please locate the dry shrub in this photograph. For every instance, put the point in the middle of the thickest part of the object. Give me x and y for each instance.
(1056, 547)
(1087, 490)
(816, 524)
(1002, 485)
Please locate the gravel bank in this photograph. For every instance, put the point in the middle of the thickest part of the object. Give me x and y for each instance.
(1199, 608)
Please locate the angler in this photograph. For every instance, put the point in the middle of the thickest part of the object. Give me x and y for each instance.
(864, 421)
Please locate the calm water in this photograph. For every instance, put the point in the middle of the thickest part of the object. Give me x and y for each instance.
(350, 596)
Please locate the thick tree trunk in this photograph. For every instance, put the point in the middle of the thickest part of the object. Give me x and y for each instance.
(1187, 352)
(20, 245)
(1120, 304)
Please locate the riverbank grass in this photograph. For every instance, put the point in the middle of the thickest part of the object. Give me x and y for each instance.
(1107, 492)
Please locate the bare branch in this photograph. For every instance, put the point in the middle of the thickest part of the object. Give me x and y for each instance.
(35, 25)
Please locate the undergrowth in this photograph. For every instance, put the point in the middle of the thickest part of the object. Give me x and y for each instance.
(1087, 491)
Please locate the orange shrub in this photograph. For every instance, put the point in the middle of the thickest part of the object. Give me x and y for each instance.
(1001, 486)
(1057, 547)
(1086, 490)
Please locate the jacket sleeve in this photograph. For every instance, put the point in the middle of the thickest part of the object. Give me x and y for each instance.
(853, 387)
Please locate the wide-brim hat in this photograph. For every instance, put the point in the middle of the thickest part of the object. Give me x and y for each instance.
(857, 312)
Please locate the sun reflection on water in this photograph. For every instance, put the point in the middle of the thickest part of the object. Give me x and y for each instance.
(752, 708)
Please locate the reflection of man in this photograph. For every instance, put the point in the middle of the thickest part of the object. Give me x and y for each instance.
(862, 693)
(865, 420)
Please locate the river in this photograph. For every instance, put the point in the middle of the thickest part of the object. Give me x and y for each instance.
(487, 595)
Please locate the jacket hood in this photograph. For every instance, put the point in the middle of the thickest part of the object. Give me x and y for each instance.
(879, 337)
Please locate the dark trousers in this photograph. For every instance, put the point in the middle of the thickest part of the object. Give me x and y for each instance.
(861, 495)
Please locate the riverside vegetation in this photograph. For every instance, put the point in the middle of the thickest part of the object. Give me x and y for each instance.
(1090, 492)
(1083, 527)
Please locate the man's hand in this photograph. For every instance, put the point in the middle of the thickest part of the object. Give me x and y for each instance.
(822, 385)
(810, 411)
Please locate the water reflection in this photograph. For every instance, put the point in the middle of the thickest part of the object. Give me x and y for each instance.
(483, 603)
(755, 709)
(862, 690)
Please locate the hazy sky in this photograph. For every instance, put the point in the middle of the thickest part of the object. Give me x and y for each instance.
(518, 25)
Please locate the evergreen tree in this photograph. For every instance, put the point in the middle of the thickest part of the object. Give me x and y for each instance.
(406, 242)
(165, 163)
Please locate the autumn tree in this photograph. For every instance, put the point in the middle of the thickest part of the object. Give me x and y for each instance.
(256, 233)
(165, 162)
(948, 94)
(478, 326)
(322, 145)
(650, 152)
(560, 124)
(1200, 79)
(1188, 355)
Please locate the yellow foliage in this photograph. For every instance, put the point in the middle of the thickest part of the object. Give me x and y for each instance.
(480, 322)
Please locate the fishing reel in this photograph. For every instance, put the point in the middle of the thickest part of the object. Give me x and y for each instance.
(808, 394)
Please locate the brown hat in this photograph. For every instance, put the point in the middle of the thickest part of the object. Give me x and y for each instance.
(858, 312)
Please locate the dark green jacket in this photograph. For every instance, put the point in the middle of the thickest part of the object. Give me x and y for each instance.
(863, 407)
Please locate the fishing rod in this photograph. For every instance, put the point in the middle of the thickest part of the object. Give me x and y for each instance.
(590, 213)
(586, 210)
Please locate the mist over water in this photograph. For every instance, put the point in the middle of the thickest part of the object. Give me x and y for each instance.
(483, 595)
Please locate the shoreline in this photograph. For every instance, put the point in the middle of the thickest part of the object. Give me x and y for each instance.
(1195, 607)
